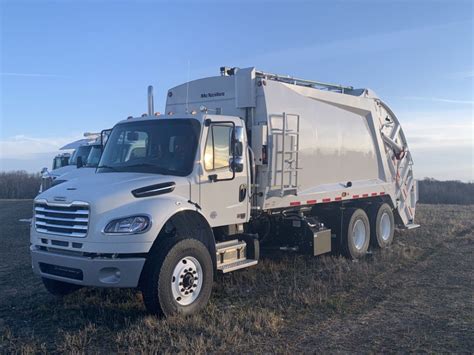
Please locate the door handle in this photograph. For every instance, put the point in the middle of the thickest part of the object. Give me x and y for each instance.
(242, 192)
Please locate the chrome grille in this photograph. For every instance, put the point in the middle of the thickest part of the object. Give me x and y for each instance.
(69, 220)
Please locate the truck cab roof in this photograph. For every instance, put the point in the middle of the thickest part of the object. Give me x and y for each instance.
(199, 116)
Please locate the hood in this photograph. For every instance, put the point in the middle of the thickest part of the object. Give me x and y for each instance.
(110, 188)
(76, 173)
(60, 171)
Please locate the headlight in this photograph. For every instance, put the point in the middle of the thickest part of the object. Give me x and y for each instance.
(128, 225)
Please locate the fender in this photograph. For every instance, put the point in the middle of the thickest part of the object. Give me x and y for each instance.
(185, 224)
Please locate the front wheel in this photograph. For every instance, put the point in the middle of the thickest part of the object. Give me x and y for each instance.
(178, 278)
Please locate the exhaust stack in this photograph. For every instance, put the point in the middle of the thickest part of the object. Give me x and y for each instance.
(150, 101)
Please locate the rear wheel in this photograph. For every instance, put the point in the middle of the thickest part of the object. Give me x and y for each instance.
(178, 279)
(355, 233)
(59, 288)
(382, 224)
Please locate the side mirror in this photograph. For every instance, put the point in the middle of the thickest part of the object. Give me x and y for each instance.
(79, 162)
(238, 142)
(44, 170)
(236, 165)
(236, 162)
(239, 134)
(104, 136)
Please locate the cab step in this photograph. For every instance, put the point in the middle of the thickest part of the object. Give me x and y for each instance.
(409, 226)
(236, 254)
(239, 264)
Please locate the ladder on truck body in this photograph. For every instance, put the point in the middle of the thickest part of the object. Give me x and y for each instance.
(284, 157)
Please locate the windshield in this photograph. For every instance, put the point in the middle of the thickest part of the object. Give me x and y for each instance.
(60, 161)
(83, 151)
(94, 156)
(161, 146)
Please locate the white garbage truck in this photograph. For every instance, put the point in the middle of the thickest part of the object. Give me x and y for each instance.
(238, 162)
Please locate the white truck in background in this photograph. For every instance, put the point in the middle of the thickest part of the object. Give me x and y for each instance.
(60, 160)
(86, 155)
(241, 160)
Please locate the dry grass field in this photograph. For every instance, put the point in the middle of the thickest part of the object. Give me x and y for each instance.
(416, 296)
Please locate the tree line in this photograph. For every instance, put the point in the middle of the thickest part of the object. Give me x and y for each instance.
(19, 185)
(23, 185)
(445, 192)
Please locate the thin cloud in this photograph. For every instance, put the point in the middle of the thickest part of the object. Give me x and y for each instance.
(441, 141)
(26, 147)
(439, 99)
(31, 75)
(386, 41)
(460, 75)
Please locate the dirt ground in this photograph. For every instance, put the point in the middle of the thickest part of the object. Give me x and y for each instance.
(416, 296)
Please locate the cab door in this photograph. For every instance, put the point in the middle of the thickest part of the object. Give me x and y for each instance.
(224, 178)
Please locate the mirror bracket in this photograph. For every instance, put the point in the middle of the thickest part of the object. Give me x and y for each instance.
(79, 162)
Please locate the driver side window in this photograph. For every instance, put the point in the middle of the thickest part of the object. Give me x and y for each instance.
(217, 151)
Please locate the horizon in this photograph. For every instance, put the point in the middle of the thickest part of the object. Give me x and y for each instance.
(69, 68)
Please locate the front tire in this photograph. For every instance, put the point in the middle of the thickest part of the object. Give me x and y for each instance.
(178, 278)
(355, 233)
(59, 288)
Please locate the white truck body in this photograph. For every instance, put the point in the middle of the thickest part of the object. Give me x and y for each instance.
(239, 159)
(341, 139)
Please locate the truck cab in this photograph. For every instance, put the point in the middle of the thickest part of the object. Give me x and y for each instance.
(61, 160)
(175, 176)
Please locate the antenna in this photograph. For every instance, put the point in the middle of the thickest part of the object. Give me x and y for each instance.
(187, 86)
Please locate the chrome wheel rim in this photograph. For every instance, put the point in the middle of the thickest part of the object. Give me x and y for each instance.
(385, 226)
(186, 281)
(359, 234)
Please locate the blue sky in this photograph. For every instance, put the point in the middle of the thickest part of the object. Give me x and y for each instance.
(73, 66)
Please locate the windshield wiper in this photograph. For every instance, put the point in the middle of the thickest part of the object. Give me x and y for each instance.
(161, 170)
(107, 167)
(137, 165)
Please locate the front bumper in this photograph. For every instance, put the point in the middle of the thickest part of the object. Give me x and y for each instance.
(87, 271)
